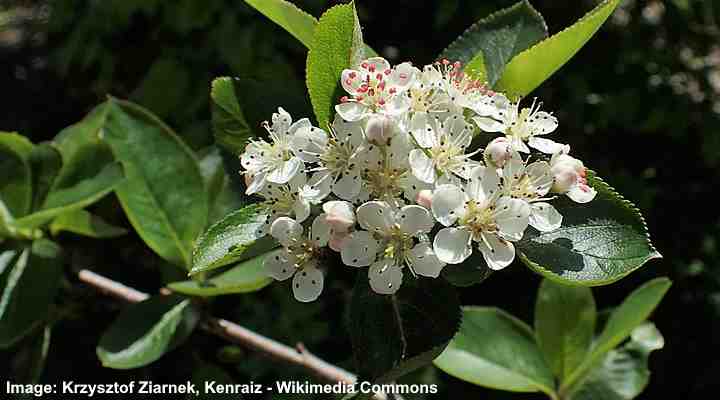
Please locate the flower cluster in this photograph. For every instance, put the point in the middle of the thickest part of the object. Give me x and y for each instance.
(396, 183)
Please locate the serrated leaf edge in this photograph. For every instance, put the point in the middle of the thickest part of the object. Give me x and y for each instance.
(628, 205)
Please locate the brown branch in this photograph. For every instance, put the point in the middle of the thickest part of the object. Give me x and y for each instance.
(235, 333)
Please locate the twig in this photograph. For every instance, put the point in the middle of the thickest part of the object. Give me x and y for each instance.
(235, 333)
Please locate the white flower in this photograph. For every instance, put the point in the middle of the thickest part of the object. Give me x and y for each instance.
(482, 215)
(339, 157)
(522, 125)
(395, 231)
(288, 200)
(299, 256)
(570, 178)
(386, 174)
(375, 88)
(531, 183)
(445, 142)
(274, 162)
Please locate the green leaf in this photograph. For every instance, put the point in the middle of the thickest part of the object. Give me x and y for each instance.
(392, 335)
(630, 314)
(84, 223)
(29, 362)
(246, 277)
(46, 162)
(496, 350)
(294, 20)
(15, 187)
(6, 222)
(564, 325)
(533, 66)
(145, 331)
(229, 125)
(164, 193)
(470, 272)
(227, 241)
(83, 194)
(597, 244)
(489, 44)
(30, 282)
(623, 373)
(337, 45)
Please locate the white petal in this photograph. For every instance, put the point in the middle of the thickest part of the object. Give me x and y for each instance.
(397, 105)
(348, 187)
(301, 208)
(251, 159)
(258, 183)
(286, 172)
(415, 219)
(385, 277)
(348, 131)
(307, 141)
(512, 217)
(359, 250)
(544, 217)
(543, 123)
(281, 121)
(421, 130)
(400, 147)
(452, 245)
(483, 183)
(320, 231)
(307, 283)
(489, 125)
(545, 145)
(581, 193)
(351, 80)
(402, 76)
(541, 177)
(448, 204)
(378, 63)
(424, 261)
(320, 183)
(351, 110)
(514, 169)
(278, 265)
(499, 255)
(517, 144)
(412, 186)
(422, 166)
(375, 216)
(286, 230)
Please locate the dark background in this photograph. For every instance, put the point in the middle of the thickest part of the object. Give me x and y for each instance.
(640, 104)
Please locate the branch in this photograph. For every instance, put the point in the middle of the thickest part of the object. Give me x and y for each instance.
(235, 333)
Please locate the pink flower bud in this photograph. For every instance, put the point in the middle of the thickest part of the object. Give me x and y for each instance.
(424, 198)
(339, 215)
(568, 172)
(338, 241)
(498, 152)
(380, 129)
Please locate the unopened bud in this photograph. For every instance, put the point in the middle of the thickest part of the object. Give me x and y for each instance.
(339, 215)
(568, 172)
(338, 241)
(498, 152)
(379, 129)
(424, 198)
